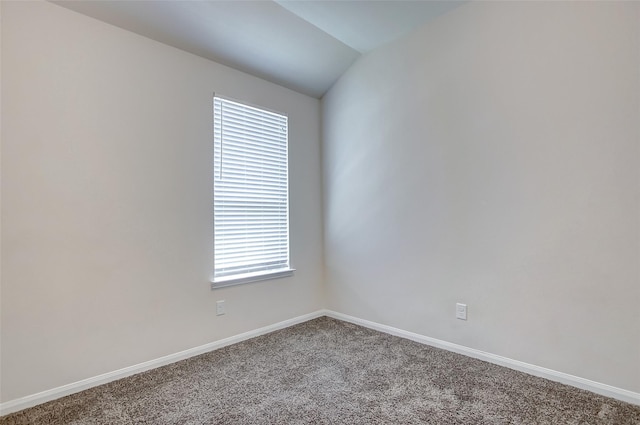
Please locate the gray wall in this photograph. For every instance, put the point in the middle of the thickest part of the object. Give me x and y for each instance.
(107, 206)
(492, 158)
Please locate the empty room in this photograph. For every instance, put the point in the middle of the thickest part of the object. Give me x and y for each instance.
(320, 212)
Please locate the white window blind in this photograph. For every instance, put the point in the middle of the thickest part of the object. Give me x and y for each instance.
(251, 192)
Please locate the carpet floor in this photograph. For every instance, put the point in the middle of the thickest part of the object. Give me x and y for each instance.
(327, 371)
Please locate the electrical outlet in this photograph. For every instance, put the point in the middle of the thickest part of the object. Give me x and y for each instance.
(220, 309)
(461, 311)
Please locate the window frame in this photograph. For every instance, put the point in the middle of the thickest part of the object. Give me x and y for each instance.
(239, 279)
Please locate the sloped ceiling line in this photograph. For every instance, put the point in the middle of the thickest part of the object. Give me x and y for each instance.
(303, 45)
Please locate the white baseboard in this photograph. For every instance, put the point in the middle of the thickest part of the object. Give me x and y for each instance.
(542, 372)
(54, 393)
(564, 378)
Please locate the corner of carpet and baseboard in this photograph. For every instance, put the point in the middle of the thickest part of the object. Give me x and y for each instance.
(574, 381)
(552, 375)
(32, 400)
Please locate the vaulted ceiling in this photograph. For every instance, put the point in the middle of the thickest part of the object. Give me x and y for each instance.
(302, 45)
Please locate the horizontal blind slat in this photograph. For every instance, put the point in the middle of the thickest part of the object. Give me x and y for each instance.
(254, 165)
(274, 266)
(274, 143)
(262, 155)
(233, 105)
(246, 123)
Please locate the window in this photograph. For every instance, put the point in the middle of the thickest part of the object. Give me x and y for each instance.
(251, 194)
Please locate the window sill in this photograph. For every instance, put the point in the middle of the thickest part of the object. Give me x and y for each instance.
(239, 280)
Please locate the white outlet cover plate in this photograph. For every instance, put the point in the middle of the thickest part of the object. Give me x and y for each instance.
(461, 311)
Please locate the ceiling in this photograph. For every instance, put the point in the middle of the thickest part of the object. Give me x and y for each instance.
(303, 45)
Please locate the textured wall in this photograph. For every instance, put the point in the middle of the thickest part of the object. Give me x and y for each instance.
(492, 158)
(107, 201)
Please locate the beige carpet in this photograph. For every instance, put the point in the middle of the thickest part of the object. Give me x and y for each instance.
(330, 372)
